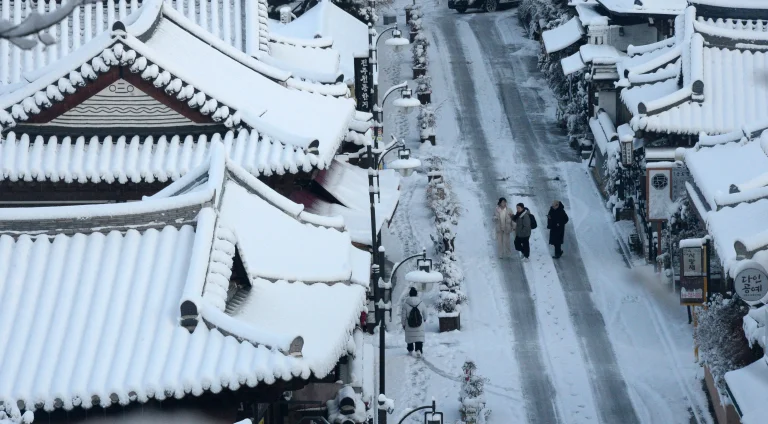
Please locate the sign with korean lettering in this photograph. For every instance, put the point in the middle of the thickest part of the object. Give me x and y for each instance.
(363, 83)
(691, 264)
(751, 283)
(692, 291)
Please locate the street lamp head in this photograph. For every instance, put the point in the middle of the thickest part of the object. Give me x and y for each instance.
(407, 101)
(397, 41)
(404, 164)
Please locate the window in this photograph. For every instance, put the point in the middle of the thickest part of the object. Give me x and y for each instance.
(659, 181)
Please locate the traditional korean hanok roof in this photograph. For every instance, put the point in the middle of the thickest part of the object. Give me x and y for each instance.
(644, 7)
(734, 199)
(710, 80)
(209, 76)
(239, 23)
(348, 185)
(93, 316)
(141, 159)
(326, 21)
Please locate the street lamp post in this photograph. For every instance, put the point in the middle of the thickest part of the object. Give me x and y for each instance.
(377, 269)
(433, 417)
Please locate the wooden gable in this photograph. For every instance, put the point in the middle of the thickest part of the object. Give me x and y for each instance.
(119, 102)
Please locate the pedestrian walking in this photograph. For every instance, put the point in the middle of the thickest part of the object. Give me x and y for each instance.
(412, 317)
(523, 231)
(503, 219)
(556, 220)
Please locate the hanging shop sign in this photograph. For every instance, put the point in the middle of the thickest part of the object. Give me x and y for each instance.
(751, 283)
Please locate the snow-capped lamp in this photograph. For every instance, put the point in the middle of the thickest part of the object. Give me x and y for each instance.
(406, 100)
(424, 274)
(404, 164)
(397, 42)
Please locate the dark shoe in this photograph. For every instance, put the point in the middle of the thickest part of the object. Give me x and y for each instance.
(558, 255)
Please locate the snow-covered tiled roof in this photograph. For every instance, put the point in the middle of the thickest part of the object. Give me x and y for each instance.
(235, 22)
(93, 318)
(120, 159)
(202, 71)
(321, 65)
(742, 164)
(645, 7)
(700, 81)
(325, 19)
(748, 389)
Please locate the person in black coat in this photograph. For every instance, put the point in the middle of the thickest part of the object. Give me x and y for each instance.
(556, 220)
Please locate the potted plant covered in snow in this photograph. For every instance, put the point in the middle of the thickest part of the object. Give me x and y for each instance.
(448, 310)
(424, 89)
(472, 398)
(416, 27)
(427, 124)
(409, 8)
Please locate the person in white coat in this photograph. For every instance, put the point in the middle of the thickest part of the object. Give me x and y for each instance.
(503, 219)
(413, 315)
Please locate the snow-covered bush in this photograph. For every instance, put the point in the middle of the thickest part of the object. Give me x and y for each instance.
(424, 85)
(427, 118)
(571, 91)
(472, 396)
(11, 414)
(419, 56)
(719, 334)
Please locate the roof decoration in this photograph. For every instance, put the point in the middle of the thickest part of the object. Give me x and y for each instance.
(644, 7)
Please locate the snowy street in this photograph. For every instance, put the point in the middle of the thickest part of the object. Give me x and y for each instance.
(590, 337)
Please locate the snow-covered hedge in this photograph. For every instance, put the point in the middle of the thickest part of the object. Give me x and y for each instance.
(446, 209)
(722, 344)
(571, 91)
(12, 415)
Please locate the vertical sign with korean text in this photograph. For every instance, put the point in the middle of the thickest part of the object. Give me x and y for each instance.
(692, 287)
(363, 83)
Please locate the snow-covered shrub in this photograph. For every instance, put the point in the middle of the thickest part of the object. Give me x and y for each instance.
(427, 118)
(419, 56)
(448, 302)
(424, 85)
(11, 414)
(719, 334)
(472, 396)
(571, 91)
(421, 40)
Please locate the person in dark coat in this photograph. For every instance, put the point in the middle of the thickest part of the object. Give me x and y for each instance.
(523, 231)
(556, 220)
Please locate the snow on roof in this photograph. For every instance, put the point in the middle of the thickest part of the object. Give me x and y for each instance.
(735, 95)
(603, 53)
(93, 320)
(228, 22)
(349, 35)
(740, 4)
(730, 224)
(736, 163)
(748, 388)
(563, 36)
(136, 159)
(635, 95)
(179, 56)
(277, 246)
(604, 131)
(324, 315)
(267, 104)
(645, 7)
(589, 15)
(349, 185)
(320, 65)
(572, 63)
